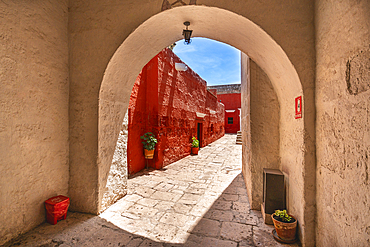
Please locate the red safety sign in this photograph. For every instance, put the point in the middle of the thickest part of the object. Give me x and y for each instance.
(298, 107)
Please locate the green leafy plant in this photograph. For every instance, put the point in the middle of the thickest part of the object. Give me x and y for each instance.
(283, 216)
(149, 140)
(195, 143)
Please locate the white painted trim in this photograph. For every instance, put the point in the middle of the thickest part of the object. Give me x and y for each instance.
(201, 115)
(229, 110)
(180, 67)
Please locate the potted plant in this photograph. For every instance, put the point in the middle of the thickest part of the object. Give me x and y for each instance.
(194, 146)
(149, 144)
(285, 226)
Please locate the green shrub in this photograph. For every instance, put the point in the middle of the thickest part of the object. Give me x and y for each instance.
(149, 140)
(195, 143)
(283, 216)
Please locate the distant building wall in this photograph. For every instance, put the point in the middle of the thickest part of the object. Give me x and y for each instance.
(173, 105)
(230, 96)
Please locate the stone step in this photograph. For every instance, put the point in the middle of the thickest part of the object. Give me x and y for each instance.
(239, 138)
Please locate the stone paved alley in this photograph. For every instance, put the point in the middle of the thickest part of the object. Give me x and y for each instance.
(197, 201)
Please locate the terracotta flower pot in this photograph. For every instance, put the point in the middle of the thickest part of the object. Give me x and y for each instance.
(285, 231)
(194, 150)
(149, 154)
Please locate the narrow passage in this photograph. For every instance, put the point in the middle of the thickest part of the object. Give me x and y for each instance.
(197, 201)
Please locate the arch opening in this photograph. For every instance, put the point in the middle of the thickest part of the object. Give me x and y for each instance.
(165, 28)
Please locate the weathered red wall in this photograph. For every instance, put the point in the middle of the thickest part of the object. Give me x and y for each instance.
(231, 101)
(165, 101)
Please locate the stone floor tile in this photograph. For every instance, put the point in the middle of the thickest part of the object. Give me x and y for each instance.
(193, 241)
(219, 215)
(182, 208)
(152, 184)
(143, 228)
(159, 210)
(231, 190)
(217, 188)
(191, 223)
(132, 216)
(164, 205)
(222, 205)
(243, 198)
(150, 243)
(240, 206)
(195, 191)
(163, 186)
(148, 202)
(213, 193)
(143, 191)
(188, 198)
(181, 237)
(229, 197)
(247, 243)
(206, 227)
(157, 178)
(235, 231)
(207, 200)
(199, 181)
(245, 218)
(198, 210)
(157, 217)
(107, 235)
(262, 237)
(166, 196)
(135, 242)
(164, 232)
(133, 198)
(142, 211)
(175, 219)
(241, 191)
(214, 242)
(177, 191)
(120, 206)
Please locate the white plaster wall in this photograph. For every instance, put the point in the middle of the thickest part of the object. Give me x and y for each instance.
(96, 30)
(116, 187)
(246, 124)
(343, 123)
(261, 134)
(33, 111)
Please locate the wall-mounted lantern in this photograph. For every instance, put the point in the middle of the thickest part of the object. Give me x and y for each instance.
(187, 33)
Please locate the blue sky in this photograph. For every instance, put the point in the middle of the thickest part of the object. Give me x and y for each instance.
(215, 62)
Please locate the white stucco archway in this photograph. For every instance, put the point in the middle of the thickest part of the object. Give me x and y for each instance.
(165, 28)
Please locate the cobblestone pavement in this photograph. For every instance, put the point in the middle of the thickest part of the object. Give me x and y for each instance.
(197, 201)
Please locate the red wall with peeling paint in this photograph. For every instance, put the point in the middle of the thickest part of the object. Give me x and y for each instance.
(232, 101)
(165, 101)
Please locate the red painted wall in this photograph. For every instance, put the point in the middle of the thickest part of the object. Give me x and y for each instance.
(165, 101)
(231, 101)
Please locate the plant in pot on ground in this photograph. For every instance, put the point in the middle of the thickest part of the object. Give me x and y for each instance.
(194, 146)
(149, 142)
(285, 226)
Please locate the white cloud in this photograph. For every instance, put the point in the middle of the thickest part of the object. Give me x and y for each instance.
(184, 49)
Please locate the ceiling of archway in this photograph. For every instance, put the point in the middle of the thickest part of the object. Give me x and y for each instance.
(165, 28)
(168, 4)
